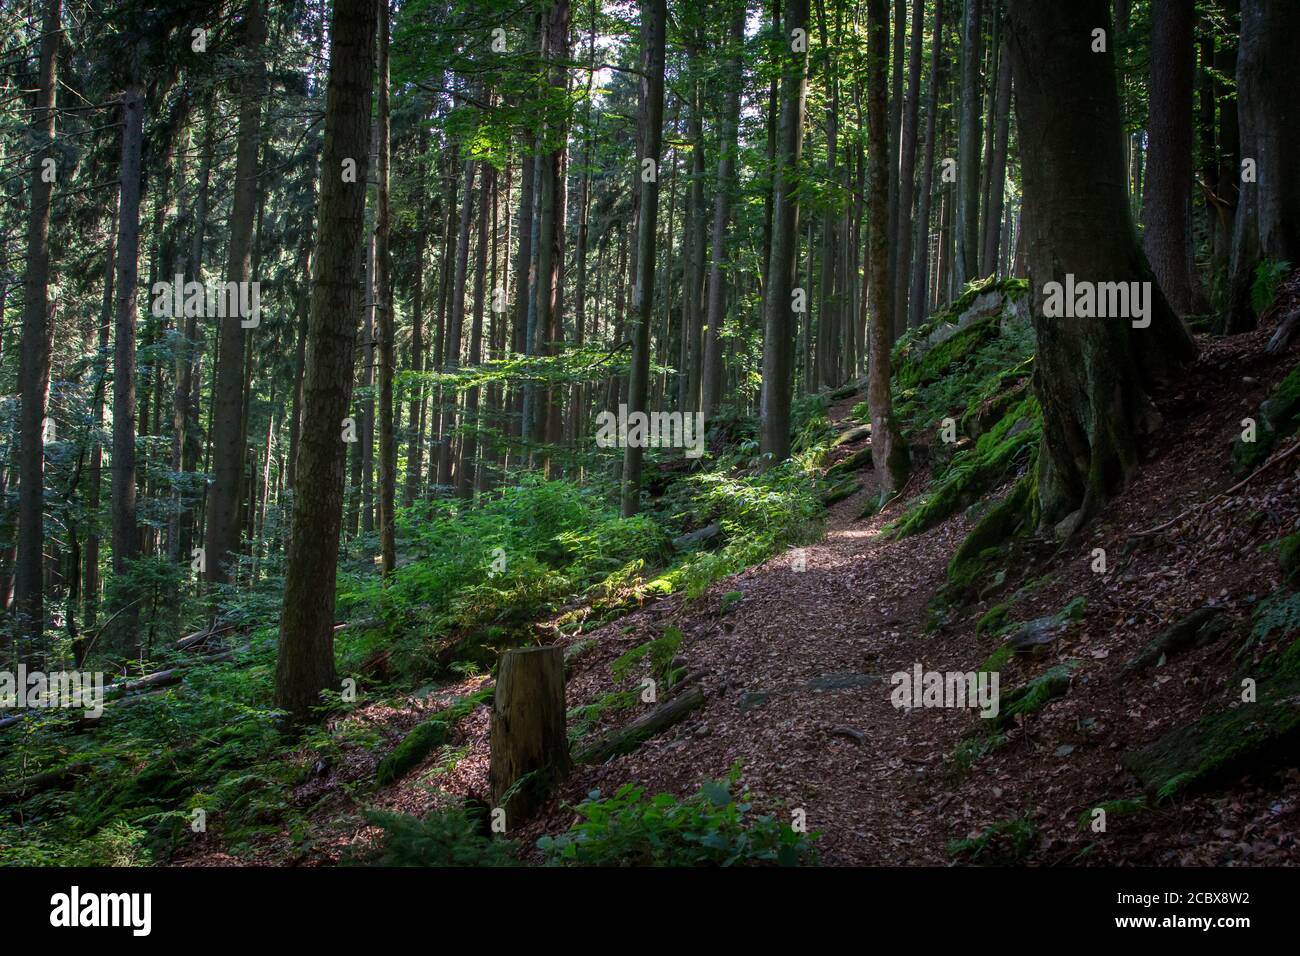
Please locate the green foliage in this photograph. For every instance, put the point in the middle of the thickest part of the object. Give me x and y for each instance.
(1002, 844)
(1268, 278)
(660, 651)
(447, 838)
(760, 515)
(975, 471)
(711, 828)
(427, 735)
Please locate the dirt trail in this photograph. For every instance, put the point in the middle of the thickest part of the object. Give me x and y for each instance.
(796, 676)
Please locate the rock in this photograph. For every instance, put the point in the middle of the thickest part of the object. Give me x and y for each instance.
(697, 537)
(1197, 629)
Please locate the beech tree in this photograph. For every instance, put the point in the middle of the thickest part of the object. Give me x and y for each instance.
(1095, 377)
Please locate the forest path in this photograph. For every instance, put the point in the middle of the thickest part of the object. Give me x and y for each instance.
(796, 674)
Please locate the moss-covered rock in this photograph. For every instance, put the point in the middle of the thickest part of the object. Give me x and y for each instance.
(1288, 556)
(973, 473)
(993, 620)
(1033, 696)
(1196, 629)
(972, 562)
(1220, 746)
(1279, 417)
(426, 736)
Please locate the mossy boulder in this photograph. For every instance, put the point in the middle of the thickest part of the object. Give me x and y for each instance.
(1288, 556)
(1196, 629)
(1033, 696)
(1246, 736)
(425, 737)
(1278, 417)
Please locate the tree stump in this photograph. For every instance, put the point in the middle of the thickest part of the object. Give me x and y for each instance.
(530, 749)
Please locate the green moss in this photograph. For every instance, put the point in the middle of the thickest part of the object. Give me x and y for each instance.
(1288, 556)
(1033, 696)
(421, 741)
(1002, 844)
(660, 651)
(1114, 808)
(970, 562)
(998, 659)
(993, 620)
(1278, 417)
(1223, 745)
(973, 472)
(581, 720)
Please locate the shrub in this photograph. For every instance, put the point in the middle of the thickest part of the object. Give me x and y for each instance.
(711, 828)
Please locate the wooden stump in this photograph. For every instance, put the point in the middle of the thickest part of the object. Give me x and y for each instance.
(528, 740)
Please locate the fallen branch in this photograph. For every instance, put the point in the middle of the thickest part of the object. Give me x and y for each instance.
(1279, 456)
(627, 739)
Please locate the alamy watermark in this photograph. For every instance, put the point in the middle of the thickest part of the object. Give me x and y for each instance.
(954, 689)
(210, 300)
(1098, 300)
(651, 430)
(67, 690)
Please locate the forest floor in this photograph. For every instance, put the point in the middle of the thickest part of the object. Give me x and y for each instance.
(795, 667)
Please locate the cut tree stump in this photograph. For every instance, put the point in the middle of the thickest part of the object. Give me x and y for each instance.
(627, 739)
(529, 746)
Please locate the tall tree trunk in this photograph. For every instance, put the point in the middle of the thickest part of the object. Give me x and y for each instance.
(907, 170)
(998, 166)
(415, 447)
(455, 325)
(919, 299)
(889, 455)
(305, 664)
(1167, 205)
(966, 244)
(711, 386)
(38, 328)
(221, 540)
(465, 479)
(1268, 212)
(387, 326)
(94, 480)
(653, 16)
(128, 265)
(1093, 376)
(774, 399)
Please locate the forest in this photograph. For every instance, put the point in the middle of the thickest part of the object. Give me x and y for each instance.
(630, 433)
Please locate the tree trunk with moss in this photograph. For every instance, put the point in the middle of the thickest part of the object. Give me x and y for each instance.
(1094, 376)
(888, 450)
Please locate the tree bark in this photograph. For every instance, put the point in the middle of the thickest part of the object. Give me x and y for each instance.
(1268, 212)
(38, 328)
(1167, 204)
(653, 16)
(222, 534)
(386, 324)
(967, 209)
(305, 664)
(1093, 376)
(889, 455)
(919, 299)
(527, 735)
(711, 386)
(774, 398)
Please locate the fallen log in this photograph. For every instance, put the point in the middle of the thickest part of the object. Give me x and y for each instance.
(48, 780)
(156, 680)
(627, 739)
